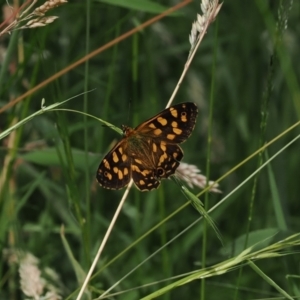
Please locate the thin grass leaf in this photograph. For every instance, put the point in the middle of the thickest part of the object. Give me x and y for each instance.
(43, 109)
(232, 263)
(277, 203)
(269, 280)
(198, 205)
(80, 274)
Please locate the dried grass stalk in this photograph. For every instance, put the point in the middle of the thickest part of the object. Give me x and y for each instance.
(35, 18)
(191, 175)
(34, 282)
(210, 9)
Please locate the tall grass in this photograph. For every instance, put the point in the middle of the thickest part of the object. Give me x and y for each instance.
(53, 215)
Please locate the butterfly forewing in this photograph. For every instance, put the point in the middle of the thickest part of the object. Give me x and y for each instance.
(150, 152)
(174, 124)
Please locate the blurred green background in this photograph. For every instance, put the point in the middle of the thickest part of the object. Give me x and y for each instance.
(247, 64)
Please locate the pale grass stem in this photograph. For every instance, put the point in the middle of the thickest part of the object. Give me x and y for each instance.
(211, 8)
(111, 225)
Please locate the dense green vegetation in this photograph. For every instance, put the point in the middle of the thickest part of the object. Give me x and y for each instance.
(245, 81)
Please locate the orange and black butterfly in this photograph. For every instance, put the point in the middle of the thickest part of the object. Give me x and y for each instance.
(149, 152)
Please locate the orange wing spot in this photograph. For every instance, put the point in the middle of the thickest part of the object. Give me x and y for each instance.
(121, 150)
(174, 112)
(115, 157)
(124, 157)
(108, 175)
(162, 121)
(174, 124)
(141, 182)
(136, 168)
(120, 175)
(177, 131)
(125, 171)
(151, 125)
(183, 117)
(154, 148)
(106, 164)
(162, 159)
(171, 136)
(145, 172)
(116, 170)
(138, 161)
(157, 131)
(163, 147)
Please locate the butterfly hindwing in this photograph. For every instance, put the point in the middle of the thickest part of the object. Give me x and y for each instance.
(161, 164)
(168, 160)
(114, 171)
(144, 178)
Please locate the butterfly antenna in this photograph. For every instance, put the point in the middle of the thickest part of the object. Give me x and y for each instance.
(129, 111)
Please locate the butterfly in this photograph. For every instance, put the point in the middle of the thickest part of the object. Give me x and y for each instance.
(149, 152)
